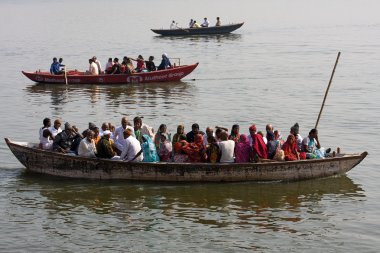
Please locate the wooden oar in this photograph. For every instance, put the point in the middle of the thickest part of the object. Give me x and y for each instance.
(327, 90)
(65, 76)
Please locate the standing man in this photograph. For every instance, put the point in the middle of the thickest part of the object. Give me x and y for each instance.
(119, 134)
(98, 64)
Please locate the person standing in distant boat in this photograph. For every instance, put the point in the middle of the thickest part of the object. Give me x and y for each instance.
(205, 23)
(173, 25)
(165, 62)
(98, 64)
(218, 22)
(191, 23)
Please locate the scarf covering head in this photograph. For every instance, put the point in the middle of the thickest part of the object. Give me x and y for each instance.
(149, 150)
(195, 150)
(290, 148)
(258, 146)
(295, 129)
(242, 150)
(253, 128)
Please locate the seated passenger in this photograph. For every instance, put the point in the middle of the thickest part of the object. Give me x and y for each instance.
(218, 22)
(109, 66)
(55, 67)
(140, 66)
(191, 23)
(212, 150)
(227, 148)
(165, 62)
(116, 68)
(176, 136)
(179, 150)
(63, 142)
(235, 135)
(242, 150)
(196, 25)
(87, 146)
(149, 150)
(290, 149)
(190, 136)
(173, 25)
(93, 68)
(209, 133)
(119, 134)
(141, 128)
(196, 150)
(46, 138)
(132, 148)
(205, 23)
(165, 148)
(312, 147)
(259, 149)
(56, 128)
(104, 147)
(150, 66)
(272, 145)
(157, 137)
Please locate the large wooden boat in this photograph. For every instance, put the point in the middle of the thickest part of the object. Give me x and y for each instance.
(198, 31)
(78, 77)
(56, 164)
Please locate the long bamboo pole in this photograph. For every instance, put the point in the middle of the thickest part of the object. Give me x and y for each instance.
(327, 90)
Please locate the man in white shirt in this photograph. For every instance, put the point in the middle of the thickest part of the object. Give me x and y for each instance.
(205, 23)
(173, 25)
(87, 146)
(227, 148)
(132, 148)
(97, 64)
(56, 128)
(93, 69)
(119, 134)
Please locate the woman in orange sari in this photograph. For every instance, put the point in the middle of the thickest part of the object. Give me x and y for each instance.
(196, 150)
(290, 149)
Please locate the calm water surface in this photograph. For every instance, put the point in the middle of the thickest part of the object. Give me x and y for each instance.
(274, 69)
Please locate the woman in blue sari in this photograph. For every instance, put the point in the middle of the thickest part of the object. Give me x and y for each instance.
(149, 150)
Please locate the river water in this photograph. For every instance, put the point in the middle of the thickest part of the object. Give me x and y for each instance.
(274, 69)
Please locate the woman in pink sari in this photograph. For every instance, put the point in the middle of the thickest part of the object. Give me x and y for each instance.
(290, 149)
(242, 150)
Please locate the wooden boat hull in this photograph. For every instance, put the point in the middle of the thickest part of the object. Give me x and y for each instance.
(198, 31)
(76, 77)
(56, 164)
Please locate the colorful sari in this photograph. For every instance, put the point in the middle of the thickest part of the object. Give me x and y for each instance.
(259, 149)
(149, 150)
(165, 151)
(242, 150)
(196, 150)
(290, 148)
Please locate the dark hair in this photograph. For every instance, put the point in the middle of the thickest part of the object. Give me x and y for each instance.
(116, 59)
(46, 121)
(313, 131)
(195, 125)
(137, 119)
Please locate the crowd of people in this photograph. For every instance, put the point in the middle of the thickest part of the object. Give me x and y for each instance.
(139, 142)
(113, 66)
(194, 24)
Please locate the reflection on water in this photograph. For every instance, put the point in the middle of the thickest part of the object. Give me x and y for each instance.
(265, 206)
(112, 95)
(202, 38)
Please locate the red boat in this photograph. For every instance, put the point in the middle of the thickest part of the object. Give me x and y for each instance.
(78, 77)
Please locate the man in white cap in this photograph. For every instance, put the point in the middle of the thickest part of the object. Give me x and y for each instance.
(165, 63)
(104, 147)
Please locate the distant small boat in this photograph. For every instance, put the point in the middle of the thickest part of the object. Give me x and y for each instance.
(78, 77)
(58, 164)
(198, 31)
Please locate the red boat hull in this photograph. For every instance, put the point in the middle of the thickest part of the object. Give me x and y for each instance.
(77, 77)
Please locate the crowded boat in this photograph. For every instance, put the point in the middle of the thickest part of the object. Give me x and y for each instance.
(138, 142)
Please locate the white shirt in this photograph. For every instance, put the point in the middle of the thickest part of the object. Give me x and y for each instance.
(94, 70)
(173, 26)
(54, 131)
(45, 142)
(109, 65)
(227, 148)
(99, 66)
(86, 148)
(119, 137)
(205, 23)
(130, 149)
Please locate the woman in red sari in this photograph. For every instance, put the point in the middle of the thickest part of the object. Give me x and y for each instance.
(290, 149)
(196, 150)
(259, 148)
